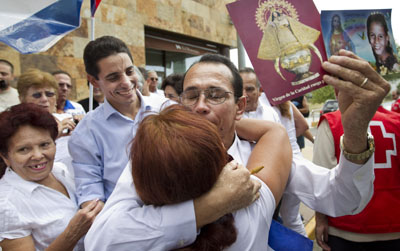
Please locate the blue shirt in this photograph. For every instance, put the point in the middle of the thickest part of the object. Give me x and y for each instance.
(100, 145)
(73, 108)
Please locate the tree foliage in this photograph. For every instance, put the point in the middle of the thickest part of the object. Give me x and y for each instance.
(322, 94)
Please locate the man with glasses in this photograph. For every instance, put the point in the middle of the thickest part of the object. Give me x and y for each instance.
(64, 105)
(151, 84)
(8, 95)
(340, 191)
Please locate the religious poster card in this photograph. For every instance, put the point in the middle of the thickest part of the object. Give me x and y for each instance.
(368, 33)
(284, 42)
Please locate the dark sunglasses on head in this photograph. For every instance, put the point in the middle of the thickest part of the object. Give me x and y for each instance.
(48, 94)
(154, 79)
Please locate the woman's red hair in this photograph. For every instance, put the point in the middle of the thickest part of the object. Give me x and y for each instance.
(176, 156)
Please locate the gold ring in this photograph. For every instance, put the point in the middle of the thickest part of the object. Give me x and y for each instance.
(364, 82)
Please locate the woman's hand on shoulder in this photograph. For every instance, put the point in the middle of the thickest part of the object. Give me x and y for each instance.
(83, 219)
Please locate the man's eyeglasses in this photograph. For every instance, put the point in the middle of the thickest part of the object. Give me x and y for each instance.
(213, 96)
(154, 79)
(48, 94)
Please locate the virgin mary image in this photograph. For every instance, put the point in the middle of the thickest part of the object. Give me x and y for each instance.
(286, 40)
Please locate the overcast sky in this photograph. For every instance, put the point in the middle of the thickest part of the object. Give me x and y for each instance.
(352, 5)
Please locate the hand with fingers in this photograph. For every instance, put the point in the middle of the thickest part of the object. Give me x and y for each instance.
(321, 231)
(236, 187)
(65, 127)
(77, 227)
(83, 219)
(360, 91)
(233, 190)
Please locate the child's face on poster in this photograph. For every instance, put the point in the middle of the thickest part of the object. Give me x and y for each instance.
(378, 38)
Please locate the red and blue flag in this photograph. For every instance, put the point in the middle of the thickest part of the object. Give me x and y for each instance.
(93, 6)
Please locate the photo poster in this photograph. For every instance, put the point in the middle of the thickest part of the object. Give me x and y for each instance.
(368, 33)
(284, 42)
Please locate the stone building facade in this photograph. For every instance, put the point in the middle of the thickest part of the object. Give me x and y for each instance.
(203, 21)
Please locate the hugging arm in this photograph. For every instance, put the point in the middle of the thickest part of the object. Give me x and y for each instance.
(273, 151)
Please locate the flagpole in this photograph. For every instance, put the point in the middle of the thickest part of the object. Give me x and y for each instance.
(90, 84)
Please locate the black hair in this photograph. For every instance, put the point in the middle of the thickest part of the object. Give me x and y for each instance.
(101, 48)
(9, 64)
(175, 81)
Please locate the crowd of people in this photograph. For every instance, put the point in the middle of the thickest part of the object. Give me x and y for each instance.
(169, 168)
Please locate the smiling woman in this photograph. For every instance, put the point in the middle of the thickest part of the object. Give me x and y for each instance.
(41, 190)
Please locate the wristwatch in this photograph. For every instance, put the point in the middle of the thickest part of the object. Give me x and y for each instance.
(359, 156)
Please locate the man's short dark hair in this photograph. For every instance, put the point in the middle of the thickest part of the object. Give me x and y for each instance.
(101, 48)
(9, 64)
(175, 81)
(250, 70)
(61, 72)
(237, 82)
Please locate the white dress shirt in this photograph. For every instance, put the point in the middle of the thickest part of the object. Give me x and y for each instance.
(28, 208)
(345, 189)
(126, 224)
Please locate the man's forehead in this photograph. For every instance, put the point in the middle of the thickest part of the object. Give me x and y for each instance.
(209, 74)
(5, 67)
(114, 63)
(62, 76)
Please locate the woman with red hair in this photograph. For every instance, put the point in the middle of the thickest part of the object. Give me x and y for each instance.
(178, 155)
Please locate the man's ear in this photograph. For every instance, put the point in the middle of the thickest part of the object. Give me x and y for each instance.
(241, 107)
(93, 80)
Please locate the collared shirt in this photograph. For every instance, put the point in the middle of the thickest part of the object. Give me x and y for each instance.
(345, 189)
(28, 208)
(73, 108)
(126, 224)
(99, 147)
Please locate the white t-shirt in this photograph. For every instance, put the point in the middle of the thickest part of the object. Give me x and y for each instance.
(28, 208)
